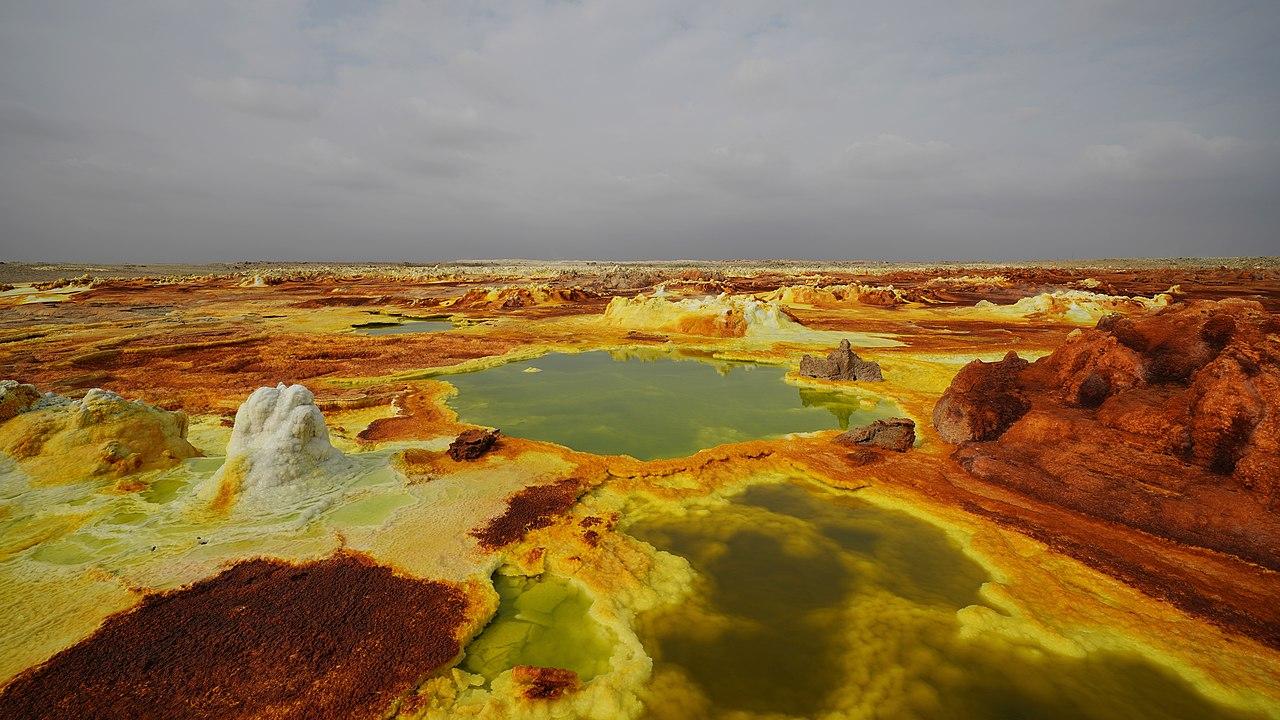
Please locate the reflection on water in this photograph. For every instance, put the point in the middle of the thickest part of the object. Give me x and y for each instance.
(816, 604)
(400, 328)
(649, 407)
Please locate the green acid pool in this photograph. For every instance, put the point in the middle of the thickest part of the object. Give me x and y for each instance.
(670, 406)
(820, 605)
(543, 622)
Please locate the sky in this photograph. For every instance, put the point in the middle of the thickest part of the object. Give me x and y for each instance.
(183, 131)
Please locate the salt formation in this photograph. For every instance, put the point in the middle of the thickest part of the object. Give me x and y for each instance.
(970, 282)
(841, 364)
(58, 440)
(837, 295)
(1079, 306)
(721, 316)
(278, 440)
(16, 398)
(509, 298)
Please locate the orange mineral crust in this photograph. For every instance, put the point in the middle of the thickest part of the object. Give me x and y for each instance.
(1101, 438)
(337, 638)
(418, 416)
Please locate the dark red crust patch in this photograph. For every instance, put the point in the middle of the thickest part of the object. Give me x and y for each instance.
(532, 508)
(543, 683)
(338, 638)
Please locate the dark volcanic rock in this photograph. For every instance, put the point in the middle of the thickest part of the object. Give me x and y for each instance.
(897, 434)
(982, 402)
(840, 364)
(471, 444)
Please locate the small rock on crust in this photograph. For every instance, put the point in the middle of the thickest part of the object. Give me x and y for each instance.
(897, 434)
(543, 683)
(840, 364)
(471, 444)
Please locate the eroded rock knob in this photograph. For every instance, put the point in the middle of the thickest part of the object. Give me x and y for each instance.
(471, 444)
(841, 364)
(897, 434)
(983, 400)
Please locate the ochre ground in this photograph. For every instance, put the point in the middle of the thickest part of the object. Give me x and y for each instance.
(1070, 580)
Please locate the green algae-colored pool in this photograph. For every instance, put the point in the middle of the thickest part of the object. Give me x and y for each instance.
(542, 622)
(663, 407)
(815, 604)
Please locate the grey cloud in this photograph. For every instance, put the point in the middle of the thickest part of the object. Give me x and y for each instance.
(328, 164)
(752, 172)
(1172, 151)
(264, 98)
(458, 127)
(18, 121)
(400, 129)
(888, 156)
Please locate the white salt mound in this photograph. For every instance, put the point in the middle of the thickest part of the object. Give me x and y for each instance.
(279, 438)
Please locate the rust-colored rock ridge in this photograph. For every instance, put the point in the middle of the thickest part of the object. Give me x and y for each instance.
(337, 638)
(1167, 425)
(982, 401)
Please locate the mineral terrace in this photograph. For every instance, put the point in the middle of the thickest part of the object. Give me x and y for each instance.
(662, 490)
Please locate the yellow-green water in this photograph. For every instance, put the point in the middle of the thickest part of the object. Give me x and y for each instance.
(815, 604)
(649, 408)
(542, 622)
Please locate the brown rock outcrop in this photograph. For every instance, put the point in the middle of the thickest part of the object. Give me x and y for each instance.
(1092, 366)
(982, 401)
(840, 364)
(472, 444)
(511, 298)
(1168, 424)
(897, 434)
